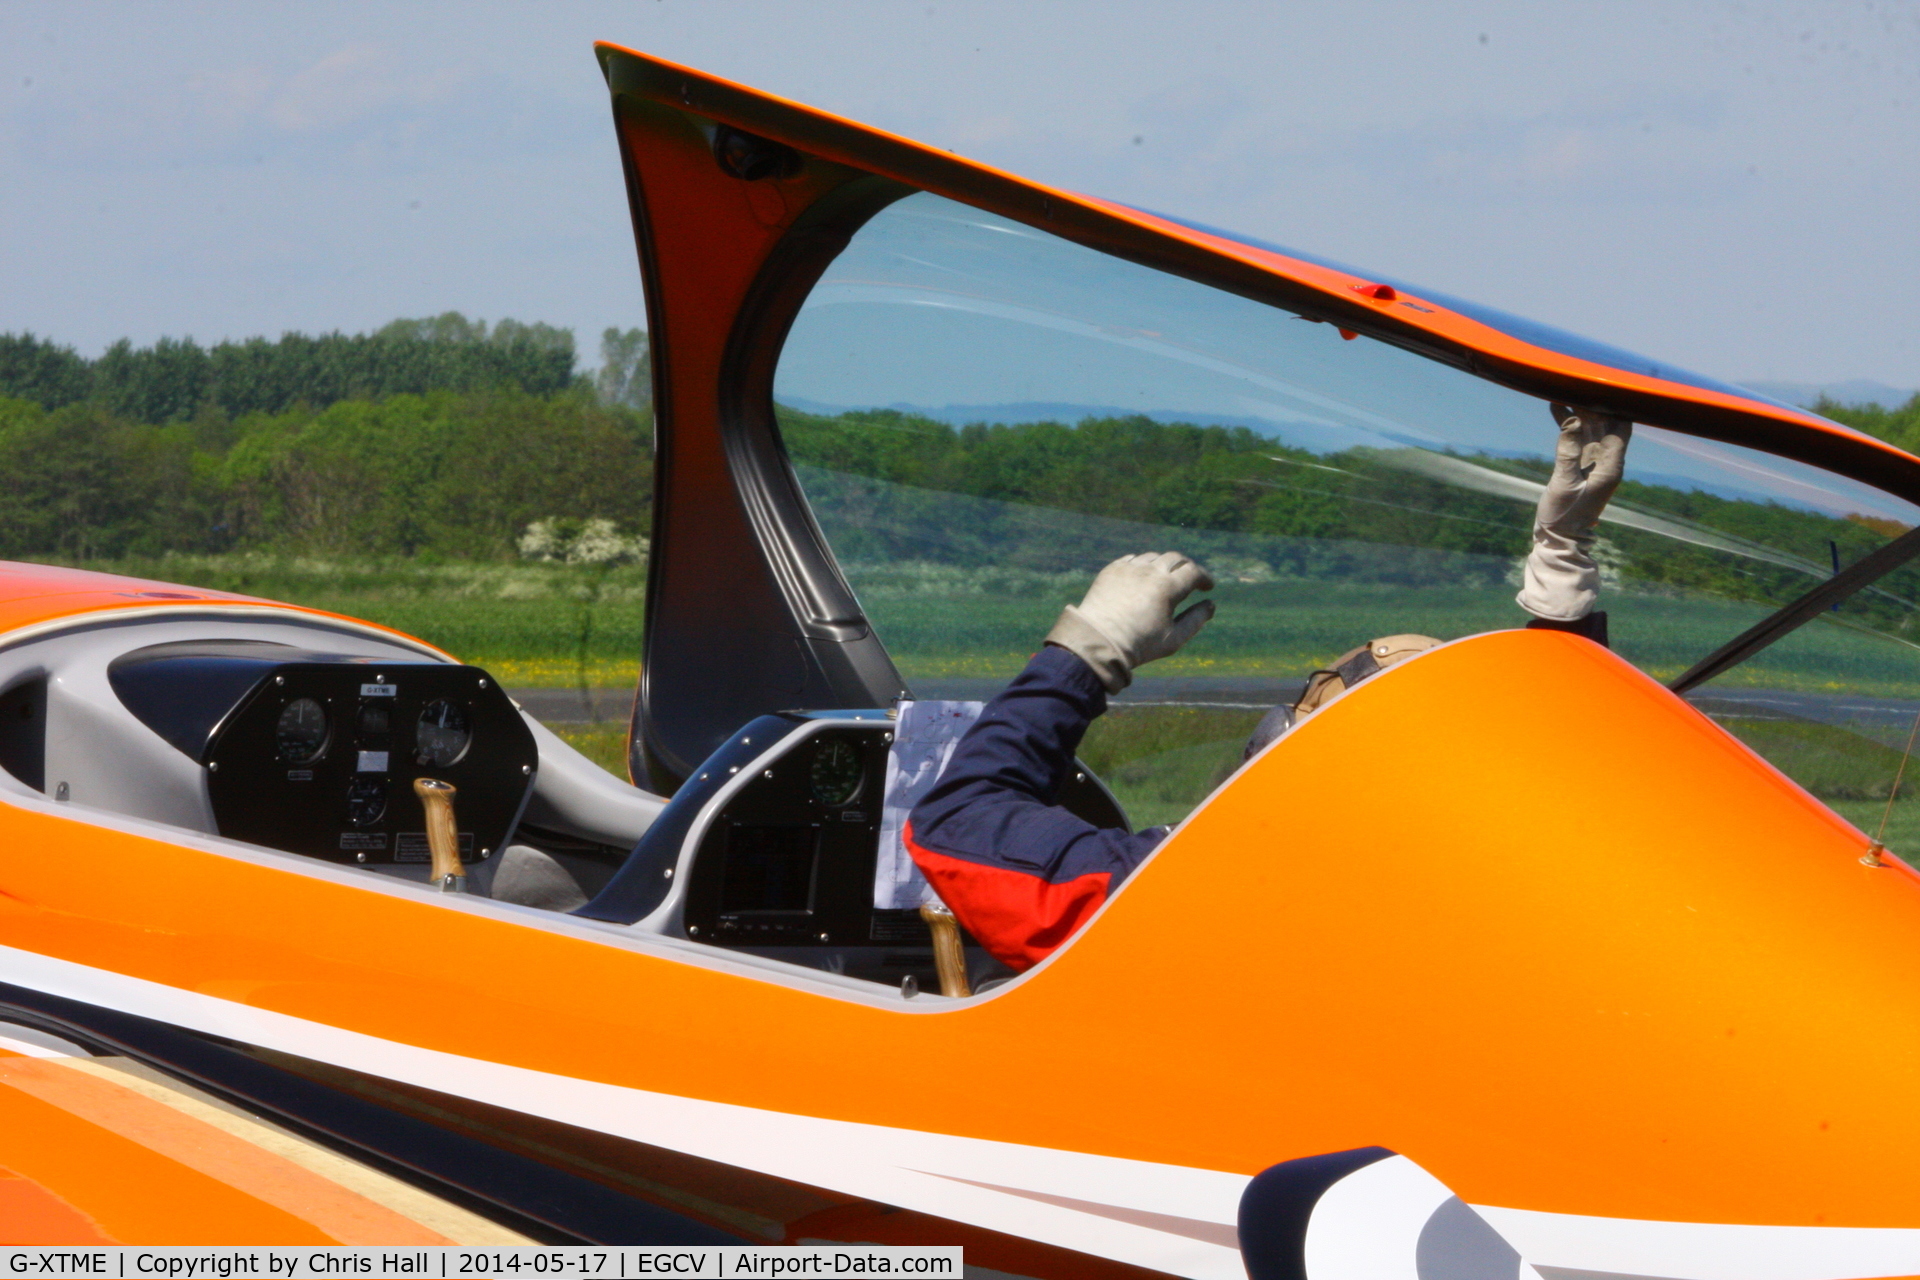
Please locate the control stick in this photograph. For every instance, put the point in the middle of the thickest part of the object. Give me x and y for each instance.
(948, 956)
(443, 834)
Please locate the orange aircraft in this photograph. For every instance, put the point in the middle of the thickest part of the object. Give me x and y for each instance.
(1525, 957)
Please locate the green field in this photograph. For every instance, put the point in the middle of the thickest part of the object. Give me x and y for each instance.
(1852, 774)
(605, 744)
(523, 621)
(1162, 761)
(1282, 630)
(544, 625)
(1903, 823)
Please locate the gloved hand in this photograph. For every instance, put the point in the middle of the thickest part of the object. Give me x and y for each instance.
(1127, 617)
(1561, 580)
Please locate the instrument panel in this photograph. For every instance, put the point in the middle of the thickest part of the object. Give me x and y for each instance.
(789, 860)
(322, 760)
(786, 865)
(317, 753)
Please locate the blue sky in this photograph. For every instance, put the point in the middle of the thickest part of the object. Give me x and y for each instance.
(1728, 186)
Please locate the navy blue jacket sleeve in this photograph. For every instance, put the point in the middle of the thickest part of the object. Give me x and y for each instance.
(1020, 872)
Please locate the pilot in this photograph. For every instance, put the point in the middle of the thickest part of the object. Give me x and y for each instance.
(1019, 871)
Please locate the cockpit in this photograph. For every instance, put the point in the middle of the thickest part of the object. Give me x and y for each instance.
(311, 737)
(954, 423)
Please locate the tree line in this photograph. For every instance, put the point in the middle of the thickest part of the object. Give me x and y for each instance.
(447, 474)
(1899, 425)
(1361, 514)
(440, 437)
(446, 437)
(177, 379)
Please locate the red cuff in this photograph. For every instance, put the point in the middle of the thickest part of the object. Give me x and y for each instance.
(1018, 917)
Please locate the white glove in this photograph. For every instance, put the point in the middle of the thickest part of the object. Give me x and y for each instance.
(1127, 618)
(1561, 581)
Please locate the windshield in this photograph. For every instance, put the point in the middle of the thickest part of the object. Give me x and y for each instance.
(983, 414)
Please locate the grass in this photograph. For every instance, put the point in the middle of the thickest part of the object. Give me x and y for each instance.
(1903, 824)
(1162, 761)
(604, 744)
(522, 621)
(1852, 774)
(1282, 630)
(1831, 762)
(1159, 761)
(547, 625)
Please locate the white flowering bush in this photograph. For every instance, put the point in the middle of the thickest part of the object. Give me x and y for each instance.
(597, 546)
(1238, 569)
(565, 540)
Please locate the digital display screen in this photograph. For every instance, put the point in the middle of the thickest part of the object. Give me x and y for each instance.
(769, 869)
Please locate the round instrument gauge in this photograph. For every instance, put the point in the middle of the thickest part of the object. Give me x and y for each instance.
(367, 799)
(443, 735)
(837, 772)
(300, 735)
(374, 718)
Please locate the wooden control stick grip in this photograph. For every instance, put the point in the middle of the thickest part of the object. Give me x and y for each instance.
(443, 834)
(948, 956)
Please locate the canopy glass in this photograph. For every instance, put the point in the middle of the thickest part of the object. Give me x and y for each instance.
(983, 414)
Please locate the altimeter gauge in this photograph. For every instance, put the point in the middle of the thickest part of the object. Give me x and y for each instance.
(300, 735)
(837, 771)
(443, 734)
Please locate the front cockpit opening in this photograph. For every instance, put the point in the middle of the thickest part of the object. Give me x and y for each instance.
(774, 847)
(23, 732)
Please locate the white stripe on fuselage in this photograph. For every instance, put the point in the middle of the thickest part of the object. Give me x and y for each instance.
(904, 1167)
(938, 1174)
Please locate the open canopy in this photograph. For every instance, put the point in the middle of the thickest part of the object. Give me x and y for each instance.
(793, 256)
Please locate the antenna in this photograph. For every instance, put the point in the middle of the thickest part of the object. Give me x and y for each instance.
(1872, 856)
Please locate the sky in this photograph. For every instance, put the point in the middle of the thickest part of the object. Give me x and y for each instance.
(1731, 187)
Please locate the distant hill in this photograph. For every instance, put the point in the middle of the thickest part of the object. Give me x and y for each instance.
(959, 415)
(1856, 391)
